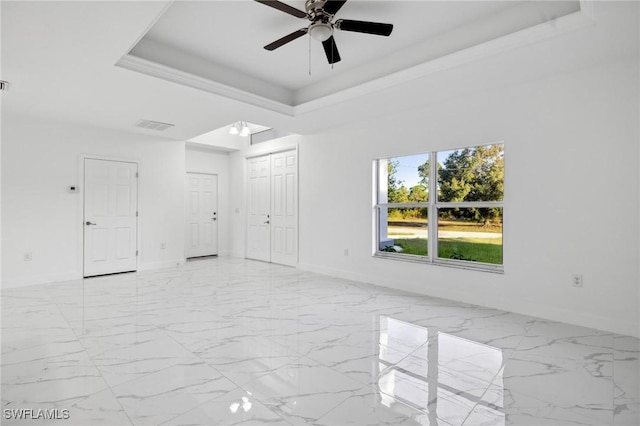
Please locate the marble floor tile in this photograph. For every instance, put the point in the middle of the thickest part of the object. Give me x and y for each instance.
(302, 391)
(235, 408)
(132, 355)
(231, 341)
(100, 408)
(374, 409)
(626, 378)
(51, 380)
(245, 358)
(161, 396)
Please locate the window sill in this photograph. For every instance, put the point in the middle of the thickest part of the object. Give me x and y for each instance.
(472, 266)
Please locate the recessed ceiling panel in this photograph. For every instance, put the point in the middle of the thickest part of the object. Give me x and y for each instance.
(221, 43)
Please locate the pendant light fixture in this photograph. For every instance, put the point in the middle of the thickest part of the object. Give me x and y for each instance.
(240, 128)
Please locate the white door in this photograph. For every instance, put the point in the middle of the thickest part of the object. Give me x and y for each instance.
(272, 223)
(258, 209)
(284, 208)
(110, 217)
(202, 215)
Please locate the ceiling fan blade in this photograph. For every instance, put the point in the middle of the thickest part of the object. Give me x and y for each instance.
(331, 50)
(283, 8)
(286, 39)
(375, 28)
(333, 6)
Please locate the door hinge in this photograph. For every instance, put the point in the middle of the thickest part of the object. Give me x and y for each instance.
(136, 252)
(137, 174)
(136, 214)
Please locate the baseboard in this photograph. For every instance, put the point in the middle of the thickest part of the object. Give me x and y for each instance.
(338, 273)
(619, 326)
(40, 279)
(161, 265)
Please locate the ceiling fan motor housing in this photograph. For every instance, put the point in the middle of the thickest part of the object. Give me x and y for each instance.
(321, 14)
(315, 9)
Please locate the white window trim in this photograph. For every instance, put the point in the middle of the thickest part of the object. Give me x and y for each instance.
(432, 205)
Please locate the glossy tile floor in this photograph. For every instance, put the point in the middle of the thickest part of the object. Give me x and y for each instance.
(230, 341)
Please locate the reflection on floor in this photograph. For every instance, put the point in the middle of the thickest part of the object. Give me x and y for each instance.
(229, 341)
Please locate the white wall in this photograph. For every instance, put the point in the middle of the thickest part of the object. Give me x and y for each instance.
(207, 160)
(40, 159)
(571, 202)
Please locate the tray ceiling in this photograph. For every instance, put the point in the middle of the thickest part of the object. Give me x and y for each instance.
(217, 46)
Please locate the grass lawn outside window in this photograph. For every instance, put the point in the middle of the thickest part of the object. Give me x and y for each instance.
(466, 212)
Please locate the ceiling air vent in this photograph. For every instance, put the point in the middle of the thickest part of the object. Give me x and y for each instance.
(153, 125)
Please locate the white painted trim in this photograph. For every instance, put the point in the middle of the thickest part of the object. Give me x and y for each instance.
(562, 25)
(166, 7)
(522, 307)
(269, 151)
(164, 72)
(237, 254)
(337, 273)
(81, 160)
(76, 276)
(161, 265)
(30, 280)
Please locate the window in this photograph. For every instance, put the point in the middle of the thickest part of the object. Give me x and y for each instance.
(454, 218)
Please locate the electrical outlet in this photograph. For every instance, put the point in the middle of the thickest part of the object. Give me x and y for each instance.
(28, 256)
(576, 280)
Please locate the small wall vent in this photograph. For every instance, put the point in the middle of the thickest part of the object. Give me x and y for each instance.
(153, 125)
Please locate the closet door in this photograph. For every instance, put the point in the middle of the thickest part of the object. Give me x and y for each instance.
(284, 208)
(272, 208)
(259, 209)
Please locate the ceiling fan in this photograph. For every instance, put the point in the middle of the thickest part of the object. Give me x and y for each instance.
(321, 13)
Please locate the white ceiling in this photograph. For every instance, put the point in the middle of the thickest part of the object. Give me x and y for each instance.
(223, 41)
(60, 59)
(233, 35)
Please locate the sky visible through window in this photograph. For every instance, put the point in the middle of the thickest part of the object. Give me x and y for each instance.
(408, 169)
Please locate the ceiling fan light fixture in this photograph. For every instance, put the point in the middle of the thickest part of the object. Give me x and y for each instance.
(320, 31)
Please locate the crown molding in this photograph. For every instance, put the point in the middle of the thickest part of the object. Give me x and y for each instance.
(164, 72)
(550, 29)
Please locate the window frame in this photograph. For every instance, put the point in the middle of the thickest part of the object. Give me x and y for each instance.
(433, 205)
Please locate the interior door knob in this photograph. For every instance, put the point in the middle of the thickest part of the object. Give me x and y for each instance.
(89, 223)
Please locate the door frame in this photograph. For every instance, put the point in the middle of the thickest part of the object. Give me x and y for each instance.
(80, 214)
(186, 174)
(261, 153)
